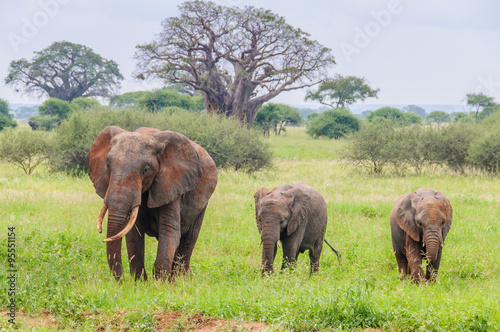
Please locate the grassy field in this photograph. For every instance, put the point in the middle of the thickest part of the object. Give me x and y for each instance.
(64, 281)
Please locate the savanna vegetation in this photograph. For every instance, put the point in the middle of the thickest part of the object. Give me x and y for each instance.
(63, 281)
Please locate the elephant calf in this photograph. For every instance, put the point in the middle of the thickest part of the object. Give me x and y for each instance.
(294, 214)
(420, 222)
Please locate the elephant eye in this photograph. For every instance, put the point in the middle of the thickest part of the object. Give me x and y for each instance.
(419, 223)
(146, 169)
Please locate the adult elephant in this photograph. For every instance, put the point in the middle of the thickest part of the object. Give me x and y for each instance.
(161, 182)
(296, 215)
(420, 222)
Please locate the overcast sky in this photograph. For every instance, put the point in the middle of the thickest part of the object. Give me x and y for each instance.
(415, 51)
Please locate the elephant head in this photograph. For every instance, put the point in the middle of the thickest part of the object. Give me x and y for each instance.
(277, 211)
(425, 215)
(127, 167)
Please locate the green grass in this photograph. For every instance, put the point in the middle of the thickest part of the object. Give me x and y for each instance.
(62, 268)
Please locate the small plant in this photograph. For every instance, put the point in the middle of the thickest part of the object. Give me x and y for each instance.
(24, 148)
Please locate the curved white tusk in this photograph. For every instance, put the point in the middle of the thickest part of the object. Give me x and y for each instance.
(101, 217)
(131, 222)
(260, 244)
(442, 245)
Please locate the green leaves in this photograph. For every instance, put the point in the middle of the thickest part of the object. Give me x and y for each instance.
(342, 91)
(65, 71)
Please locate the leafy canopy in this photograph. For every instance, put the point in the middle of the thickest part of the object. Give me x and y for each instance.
(333, 124)
(342, 91)
(438, 117)
(238, 58)
(478, 101)
(65, 71)
(393, 115)
(276, 117)
(6, 119)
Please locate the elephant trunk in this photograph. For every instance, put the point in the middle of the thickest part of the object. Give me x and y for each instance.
(432, 242)
(270, 238)
(114, 248)
(121, 204)
(268, 254)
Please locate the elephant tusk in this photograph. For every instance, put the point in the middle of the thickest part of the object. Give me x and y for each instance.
(131, 223)
(101, 217)
(442, 245)
(423, 245)
(279, 244)
(260, 244)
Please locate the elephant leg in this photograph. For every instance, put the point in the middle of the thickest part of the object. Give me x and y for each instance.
(290, 252)
(414, 259)
(169, 235)
(402, 263)
(314, 255)
(186, 245)
(432, 268)
(135, 249)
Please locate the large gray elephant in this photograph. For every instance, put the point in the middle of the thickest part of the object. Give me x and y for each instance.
(161, 182)
(296, 215)
(420, 222)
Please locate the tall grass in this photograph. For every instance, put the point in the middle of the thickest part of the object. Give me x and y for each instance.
(62, 268)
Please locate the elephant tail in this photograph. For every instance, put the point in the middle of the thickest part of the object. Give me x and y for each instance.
(335, 251)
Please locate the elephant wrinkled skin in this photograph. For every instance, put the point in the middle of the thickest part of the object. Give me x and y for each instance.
(294, 214)
(420, 222)
(161, 182)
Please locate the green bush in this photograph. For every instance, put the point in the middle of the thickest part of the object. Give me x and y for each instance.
(159, 99)
(55, 107)
(369, 146)
(452, 144)
(24, 148)
(333, 124)
(411, 148)
(229, 143)
(6, 119)
(484, 153)
(45, 122)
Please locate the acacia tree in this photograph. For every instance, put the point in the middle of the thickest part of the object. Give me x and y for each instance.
(65, 71)
(342, 91)
(478, 101)
(238, 58)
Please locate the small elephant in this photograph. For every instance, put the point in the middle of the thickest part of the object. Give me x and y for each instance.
(296, 215)
(420, 222)
(161, 182)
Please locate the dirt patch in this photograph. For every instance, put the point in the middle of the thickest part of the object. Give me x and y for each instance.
(29, 322)
(165, 321)
(178, 321)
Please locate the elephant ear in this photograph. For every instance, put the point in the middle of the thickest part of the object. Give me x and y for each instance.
(406, 216)
(449, 213)
(298, 205)
(263, 191)
(97, 157)
(179, 171)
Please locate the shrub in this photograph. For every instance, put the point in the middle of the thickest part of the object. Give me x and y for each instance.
(452, 144)
(159, 99)
(24, 148)
(484, 153)
(369, 146)
(229, 143)
(6, 119)
(45, 122)
(333, 124)
(82, 103)
(438, 117)
(55, 107)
